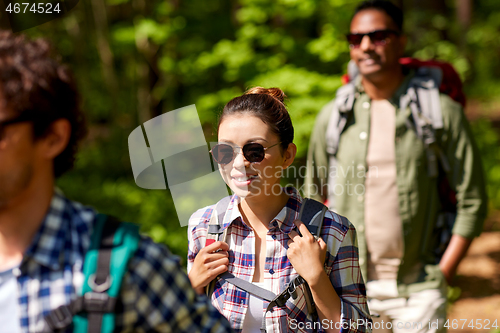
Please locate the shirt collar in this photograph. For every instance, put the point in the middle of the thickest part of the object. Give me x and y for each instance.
(48, 245)
(402, 88)
(283, 220)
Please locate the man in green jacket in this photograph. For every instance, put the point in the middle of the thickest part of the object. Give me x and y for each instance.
(379, 178)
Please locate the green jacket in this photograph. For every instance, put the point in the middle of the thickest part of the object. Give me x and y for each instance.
(418, 197)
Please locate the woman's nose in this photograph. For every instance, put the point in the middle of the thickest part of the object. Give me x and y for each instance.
(240, 161)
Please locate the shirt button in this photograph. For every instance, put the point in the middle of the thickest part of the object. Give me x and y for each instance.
(16, 271)
(360, 198)
(271, 271)
(366, 105)
(361, 228)
(274, 237)
(363, 135)
(361, 261)
(275, 224)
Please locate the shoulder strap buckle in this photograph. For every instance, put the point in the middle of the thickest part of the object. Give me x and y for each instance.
(99, 288)
(59, 318)
(98, 302)
(281, 299)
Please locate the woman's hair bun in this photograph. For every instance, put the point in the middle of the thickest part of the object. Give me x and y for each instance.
(275, 92)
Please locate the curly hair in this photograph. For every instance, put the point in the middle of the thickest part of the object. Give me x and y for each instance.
(32, 81)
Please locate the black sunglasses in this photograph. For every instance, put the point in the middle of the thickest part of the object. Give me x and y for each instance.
(224, 153)
(19, 119)
(378, 37)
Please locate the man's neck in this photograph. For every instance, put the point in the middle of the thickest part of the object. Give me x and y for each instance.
(384, 86)
(20, 218)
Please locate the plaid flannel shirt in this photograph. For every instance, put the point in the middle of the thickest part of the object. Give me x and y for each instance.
(156, 293)
(341, 265)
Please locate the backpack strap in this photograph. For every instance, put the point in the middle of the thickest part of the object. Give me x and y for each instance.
(113, 243)
(342, 106)
(422, 97)
(341, 109)
(312, 213)
(215, 232)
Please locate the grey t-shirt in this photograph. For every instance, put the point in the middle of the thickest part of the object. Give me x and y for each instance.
(9, 306)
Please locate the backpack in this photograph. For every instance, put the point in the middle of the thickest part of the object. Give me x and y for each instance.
(422, 96)
(112, 245)
(311, 214)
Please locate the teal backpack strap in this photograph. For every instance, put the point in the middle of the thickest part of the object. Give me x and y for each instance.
(113, 243)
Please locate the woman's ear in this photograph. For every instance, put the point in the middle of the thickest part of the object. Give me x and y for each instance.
(289, 155)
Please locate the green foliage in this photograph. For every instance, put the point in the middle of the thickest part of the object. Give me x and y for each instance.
(453, 294)
(135, 59)
(110, 189)
(488, 141)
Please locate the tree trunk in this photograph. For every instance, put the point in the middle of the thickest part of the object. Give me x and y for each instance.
(104, 49)
(464, 13)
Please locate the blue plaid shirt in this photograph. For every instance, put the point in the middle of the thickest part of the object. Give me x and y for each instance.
(156, 293)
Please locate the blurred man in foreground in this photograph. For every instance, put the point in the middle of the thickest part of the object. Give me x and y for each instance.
(44, 237)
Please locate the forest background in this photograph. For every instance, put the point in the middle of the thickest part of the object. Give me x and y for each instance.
(137, 59)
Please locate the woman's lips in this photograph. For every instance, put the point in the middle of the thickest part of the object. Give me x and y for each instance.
(243, 181)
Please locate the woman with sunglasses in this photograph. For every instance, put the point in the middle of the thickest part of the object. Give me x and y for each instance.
(265, 244)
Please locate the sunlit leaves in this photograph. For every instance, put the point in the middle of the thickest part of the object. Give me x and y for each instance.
(329, 45)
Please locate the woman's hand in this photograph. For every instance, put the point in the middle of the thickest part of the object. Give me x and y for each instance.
(306, 254)
(211, 261)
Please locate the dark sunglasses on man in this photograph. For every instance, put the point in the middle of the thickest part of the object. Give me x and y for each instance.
(224, 153)
(378, 37)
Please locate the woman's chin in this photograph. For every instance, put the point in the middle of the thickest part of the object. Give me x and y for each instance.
(245, 191)
(239, 192)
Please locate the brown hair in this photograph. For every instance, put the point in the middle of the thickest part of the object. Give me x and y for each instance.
(32, 82)
(266, 104)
